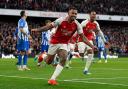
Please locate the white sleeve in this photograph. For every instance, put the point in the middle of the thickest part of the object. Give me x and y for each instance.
(94, 34)
(53, 30)
(97, 25)
(57, 22)
(83, 24)
(79, 27)
(100, 32)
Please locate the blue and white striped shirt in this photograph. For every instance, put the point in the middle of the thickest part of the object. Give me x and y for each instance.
(46, 37)
(23, 24)
(100, 42)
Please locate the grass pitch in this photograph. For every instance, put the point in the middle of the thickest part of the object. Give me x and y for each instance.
(111, 75)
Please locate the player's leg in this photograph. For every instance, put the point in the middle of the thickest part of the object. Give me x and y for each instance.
(20, 57)
(81, 49)
(62, 53)
(25, 58)
(90, 55)
(88, 61)
(44, 50)
(20, 47)
(40, 54)
(63, 56)
(56, 60)
(71, 48)
(69, 57)
(105, 55)
(99, 54)
(49, 57)
(40, 58)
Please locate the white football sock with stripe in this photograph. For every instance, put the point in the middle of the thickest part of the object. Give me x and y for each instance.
(57, 71)
(88, 62)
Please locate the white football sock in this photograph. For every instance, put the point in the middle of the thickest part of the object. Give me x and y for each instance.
(57, 71)
(88, 62)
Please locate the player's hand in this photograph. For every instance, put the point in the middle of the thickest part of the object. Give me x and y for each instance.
(33, 30)
(14, 38)
(95, 48)
(29, 51)
(107, 44)
(30, 38)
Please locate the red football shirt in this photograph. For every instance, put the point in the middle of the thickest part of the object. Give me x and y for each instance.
(88, 29)
(64, 30)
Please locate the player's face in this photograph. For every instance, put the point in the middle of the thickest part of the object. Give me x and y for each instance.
(26, 14)
(48, 23)
(72, 14)
(93, 16)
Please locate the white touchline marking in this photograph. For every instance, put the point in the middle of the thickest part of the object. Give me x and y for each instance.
(98, 68)
(97, 83)
(108, 69)
(112, 78)
(23, 77)
(68, 80)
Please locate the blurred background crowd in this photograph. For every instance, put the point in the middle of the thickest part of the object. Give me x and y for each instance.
(113, 7)
(118, 37)
(117, 34)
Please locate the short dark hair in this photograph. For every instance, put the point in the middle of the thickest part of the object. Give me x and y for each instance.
(92, 11)
(22, 13)
(72, 8)
(47, 21)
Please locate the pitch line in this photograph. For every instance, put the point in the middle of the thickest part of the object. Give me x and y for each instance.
(78, 81)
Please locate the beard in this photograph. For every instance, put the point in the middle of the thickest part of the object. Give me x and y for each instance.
(73, 18)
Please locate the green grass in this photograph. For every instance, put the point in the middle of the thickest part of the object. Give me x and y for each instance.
(111, 75)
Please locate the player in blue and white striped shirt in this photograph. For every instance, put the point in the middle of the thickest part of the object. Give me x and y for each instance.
(23, 41)
(101, 47)
(45, 41)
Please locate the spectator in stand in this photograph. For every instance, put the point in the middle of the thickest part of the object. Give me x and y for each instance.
(84, 6)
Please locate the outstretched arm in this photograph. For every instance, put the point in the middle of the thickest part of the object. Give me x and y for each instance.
(43, 29)
(49, 26)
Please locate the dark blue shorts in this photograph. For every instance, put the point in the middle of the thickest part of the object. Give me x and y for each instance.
(23, 45)
(44, 48)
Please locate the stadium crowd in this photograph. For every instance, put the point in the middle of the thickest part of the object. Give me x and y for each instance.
(8, 42)
(118, 38)
(113, 7)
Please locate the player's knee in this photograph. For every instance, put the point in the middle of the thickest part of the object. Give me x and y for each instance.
(90, 57)
(63, 56)
(63, 59)
(63, 53)
(49, 59)
(48, 62)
